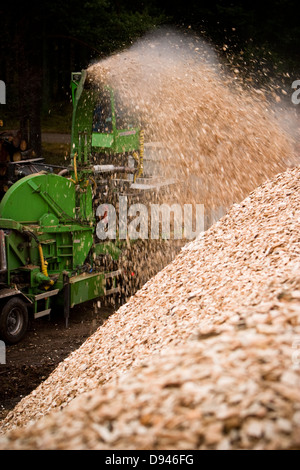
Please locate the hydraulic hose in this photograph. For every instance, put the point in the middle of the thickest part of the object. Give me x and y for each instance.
(44, 266)
(75, 170)
(42, 259)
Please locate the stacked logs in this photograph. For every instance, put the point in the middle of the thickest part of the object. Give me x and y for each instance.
(12, 147)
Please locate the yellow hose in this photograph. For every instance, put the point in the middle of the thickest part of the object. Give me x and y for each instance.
(75, 168)
(88, 182)
(44, 265)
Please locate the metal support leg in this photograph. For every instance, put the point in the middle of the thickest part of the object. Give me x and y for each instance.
(66, 298)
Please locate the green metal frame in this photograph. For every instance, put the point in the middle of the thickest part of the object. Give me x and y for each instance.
(32, 214)
(47, 221)
(84, 140)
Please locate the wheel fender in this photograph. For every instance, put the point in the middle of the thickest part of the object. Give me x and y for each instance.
(9, 292)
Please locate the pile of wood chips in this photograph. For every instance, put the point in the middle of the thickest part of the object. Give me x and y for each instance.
(204, 356)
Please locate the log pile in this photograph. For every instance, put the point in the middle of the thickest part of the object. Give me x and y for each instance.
(12, 146)
(204, 356)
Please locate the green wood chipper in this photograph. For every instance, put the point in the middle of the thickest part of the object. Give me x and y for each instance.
(50, 255)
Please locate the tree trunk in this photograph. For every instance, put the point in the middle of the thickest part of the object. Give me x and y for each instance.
(30, 71)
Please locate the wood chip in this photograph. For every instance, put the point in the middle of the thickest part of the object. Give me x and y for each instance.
(220, 372)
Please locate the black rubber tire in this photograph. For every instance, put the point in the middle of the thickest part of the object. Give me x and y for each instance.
(13, 321)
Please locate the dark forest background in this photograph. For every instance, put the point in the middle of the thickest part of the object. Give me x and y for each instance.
(41, 42)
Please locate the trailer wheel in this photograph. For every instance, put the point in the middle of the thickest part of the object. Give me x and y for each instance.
(13, 320)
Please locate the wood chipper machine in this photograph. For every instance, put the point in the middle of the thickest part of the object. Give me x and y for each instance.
(50, 255)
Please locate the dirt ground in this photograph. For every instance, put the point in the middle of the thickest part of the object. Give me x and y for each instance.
(47, 343)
